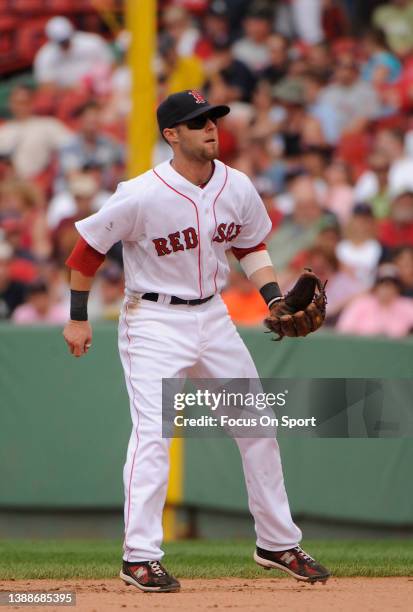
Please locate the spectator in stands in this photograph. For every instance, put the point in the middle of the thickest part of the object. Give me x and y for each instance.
(403, 260)
(28, 140)
(397, 230)
(24, 266)
(177, 72)
(319, 61)
(119, 105)
(89, 147)
(7, 170)
(39, 307)
(383, 311)
(307, 19)
(354, 101)
(334, 20)
(320, 108)
(391, 143)
(109, 79)
(329, 235)
(396, 19)
(360, 250)
(277, 69)
(314, 161)
(342, 285)
(253, 49)
(300, 19)
(12, 293)
(57, 280)
(178, 24)
(298, 129)
(215, 30)
(238, 78)
(373, 184)
(284, 201)
(298, 230)
(339, 195)
(64, 203)
(297, 66)
(266, 117)
(69, 55)
(381, 66)
(327, 240)
(22, 202)
(259, 162)
(83, 190)
(12, 230)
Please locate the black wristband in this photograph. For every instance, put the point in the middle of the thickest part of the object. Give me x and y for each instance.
(271, 292)
(78, 305)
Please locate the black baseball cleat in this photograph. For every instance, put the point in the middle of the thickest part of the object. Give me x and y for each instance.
(295, 561)
(149, 576)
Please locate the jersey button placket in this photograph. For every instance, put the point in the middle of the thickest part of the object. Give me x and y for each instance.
(208, 256)
(203, 235)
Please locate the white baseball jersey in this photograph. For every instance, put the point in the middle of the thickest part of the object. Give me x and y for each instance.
(175, 233)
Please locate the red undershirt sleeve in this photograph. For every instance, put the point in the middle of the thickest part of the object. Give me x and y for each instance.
(240, 253)
(84, 258)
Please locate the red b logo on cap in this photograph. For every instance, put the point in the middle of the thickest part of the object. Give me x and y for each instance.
(199, 98)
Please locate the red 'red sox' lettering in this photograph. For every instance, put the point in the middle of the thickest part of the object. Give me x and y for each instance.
(177, 241)
(227, 232)
(188, 238)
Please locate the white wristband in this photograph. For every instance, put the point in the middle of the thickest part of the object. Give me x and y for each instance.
(255, 261)
(276, 299)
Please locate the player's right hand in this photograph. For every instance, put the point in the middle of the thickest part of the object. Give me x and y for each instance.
(78, 336)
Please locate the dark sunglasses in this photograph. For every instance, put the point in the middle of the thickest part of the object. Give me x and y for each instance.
(198, 123)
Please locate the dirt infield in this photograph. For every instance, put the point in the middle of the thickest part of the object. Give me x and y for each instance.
(349, 594)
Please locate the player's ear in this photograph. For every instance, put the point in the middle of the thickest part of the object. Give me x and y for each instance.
(170, 135)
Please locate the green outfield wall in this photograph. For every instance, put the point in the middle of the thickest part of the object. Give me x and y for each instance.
(64, 428)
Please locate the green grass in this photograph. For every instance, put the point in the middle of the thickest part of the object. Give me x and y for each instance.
(197, 558)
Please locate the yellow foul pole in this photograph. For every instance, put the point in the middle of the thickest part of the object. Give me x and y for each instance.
(141, 23)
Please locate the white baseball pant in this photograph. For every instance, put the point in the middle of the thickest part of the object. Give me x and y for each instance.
(163, 341)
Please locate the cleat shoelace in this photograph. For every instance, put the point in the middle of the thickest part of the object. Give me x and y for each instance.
(157, 568)
(303, 554)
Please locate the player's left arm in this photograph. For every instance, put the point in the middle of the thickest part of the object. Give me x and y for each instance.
(301, 311)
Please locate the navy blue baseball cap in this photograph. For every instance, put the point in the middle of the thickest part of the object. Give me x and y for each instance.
(185, 105)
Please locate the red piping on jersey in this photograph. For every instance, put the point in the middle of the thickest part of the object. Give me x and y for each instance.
(197, 221)
(215, 217)
(137, 426)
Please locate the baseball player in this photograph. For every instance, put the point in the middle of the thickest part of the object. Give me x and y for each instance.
(176, 223)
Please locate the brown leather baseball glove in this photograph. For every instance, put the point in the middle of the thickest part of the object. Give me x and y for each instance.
(302, 310)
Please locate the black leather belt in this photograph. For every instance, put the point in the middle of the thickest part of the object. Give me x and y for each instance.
(153, 297)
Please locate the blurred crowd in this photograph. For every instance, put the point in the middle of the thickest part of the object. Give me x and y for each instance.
(321, 120)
